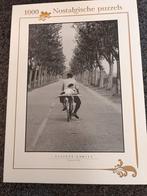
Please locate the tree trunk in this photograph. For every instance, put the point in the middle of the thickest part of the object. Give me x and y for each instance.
(89, 75)
(42, 72)
(101, 82)
(35, 77)
(49, 76)
(43, 76)
(110, 77)
(118, 78)
(86, 77)
(95, 77)
(116, 88)
(30, 79)
(39, 77)
(80, 77)
(46, 75)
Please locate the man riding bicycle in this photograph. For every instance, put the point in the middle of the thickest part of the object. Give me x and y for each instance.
(70, 85)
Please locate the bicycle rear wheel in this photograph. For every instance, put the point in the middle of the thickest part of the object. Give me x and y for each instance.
(68, 111)
(69, 106)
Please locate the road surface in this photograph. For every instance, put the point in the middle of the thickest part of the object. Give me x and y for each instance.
(98, 129)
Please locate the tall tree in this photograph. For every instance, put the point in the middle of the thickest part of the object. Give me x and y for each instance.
(97, 41)
(45, 47)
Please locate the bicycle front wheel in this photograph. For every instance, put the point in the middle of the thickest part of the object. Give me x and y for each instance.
(68, 112)
(68, 116)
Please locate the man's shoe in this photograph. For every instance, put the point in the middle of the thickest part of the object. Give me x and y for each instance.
(64, 108)
(75, 115)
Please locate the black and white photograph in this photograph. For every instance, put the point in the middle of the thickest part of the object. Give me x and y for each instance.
(74, 101)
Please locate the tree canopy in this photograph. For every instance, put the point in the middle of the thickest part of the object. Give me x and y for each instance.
(95, 41)
(45, 47)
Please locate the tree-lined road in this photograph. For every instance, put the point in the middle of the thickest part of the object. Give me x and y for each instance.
(98, 129)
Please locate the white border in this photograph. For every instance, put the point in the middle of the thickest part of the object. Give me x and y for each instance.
(12, 170)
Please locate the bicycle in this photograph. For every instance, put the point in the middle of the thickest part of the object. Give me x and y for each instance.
(68, 102)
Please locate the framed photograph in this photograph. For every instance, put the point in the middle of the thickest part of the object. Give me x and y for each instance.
(75, 109)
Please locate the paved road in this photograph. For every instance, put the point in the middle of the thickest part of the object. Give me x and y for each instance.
(98, 129)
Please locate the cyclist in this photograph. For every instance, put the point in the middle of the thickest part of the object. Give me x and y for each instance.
(68, 85)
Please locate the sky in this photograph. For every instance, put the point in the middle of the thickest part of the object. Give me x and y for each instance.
(68, 40)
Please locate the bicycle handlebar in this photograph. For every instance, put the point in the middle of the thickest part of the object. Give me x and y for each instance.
(70, 95)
